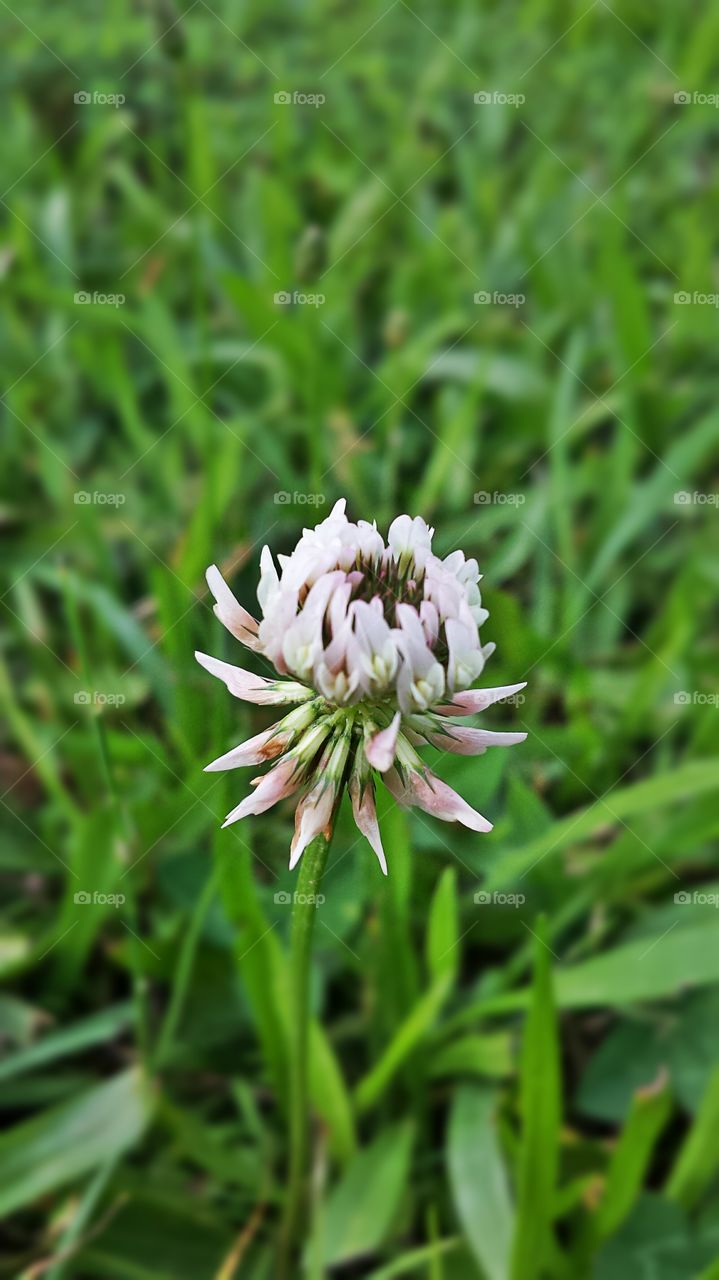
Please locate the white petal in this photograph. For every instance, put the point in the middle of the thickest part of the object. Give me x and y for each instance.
(312, 818)
(365, 816)
(281, 781)
(263, 747)
(472, 742)
(380, 749)
(474, 700)
(428, 792)
(229, 610)
(252, 688)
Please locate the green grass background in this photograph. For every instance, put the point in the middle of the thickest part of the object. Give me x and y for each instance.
(526, 1087)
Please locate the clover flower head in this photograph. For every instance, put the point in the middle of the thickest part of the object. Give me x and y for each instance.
(378, 646)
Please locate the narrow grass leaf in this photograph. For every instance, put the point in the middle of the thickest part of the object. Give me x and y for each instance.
(631, 1157)
(698, 1158)
(540, 1091)
(408, 1036)
(443, 927)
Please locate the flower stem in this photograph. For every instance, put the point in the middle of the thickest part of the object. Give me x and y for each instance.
(312, 867)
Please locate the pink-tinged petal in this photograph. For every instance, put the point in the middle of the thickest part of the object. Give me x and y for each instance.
(365, 816)
(428, 792)
(429, 618)
(314, 817)
(264, 746)
(229, 610)
(252, 688)
(281, 781)
(473, 700)
(316, 810)
(472, 742)
(380, 749)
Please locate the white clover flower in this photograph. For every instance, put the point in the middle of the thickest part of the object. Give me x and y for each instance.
(380, 644)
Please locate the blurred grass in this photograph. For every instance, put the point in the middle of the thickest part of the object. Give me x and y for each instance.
(144, 1076)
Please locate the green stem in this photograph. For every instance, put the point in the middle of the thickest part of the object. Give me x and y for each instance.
(312, 865)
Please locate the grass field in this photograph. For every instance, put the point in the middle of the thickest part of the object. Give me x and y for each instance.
(458, 260)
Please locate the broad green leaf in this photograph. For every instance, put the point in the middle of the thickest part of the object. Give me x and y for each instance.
(156, 1237)
(656, 1241)
(683, 1037)
(58, 1146)
(478, 1178)
(360, 1210)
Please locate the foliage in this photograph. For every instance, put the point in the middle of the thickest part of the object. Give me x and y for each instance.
(484, 1103)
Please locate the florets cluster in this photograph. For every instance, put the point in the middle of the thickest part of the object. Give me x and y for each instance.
(381, 643)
